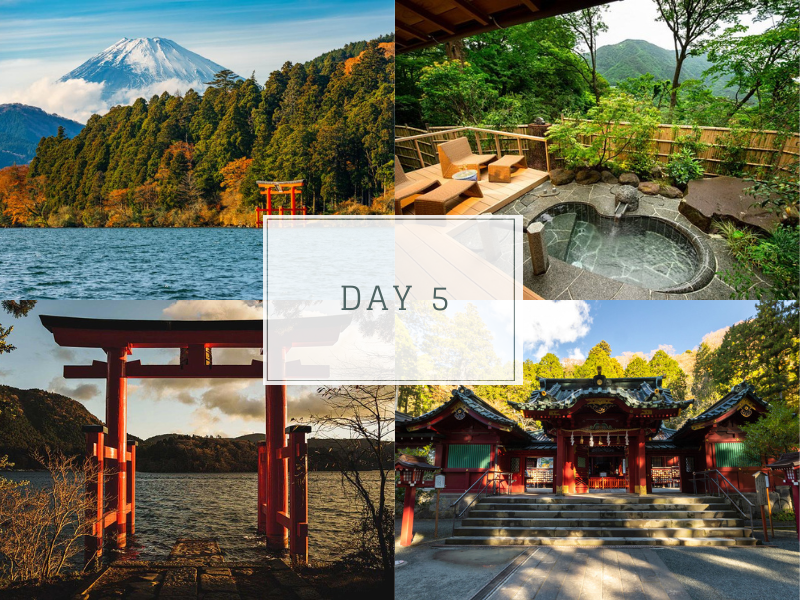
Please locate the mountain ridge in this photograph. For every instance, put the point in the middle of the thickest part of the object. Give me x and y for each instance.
(632, 58)
(21, 128)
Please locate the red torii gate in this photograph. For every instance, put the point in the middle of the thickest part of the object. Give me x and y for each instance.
(194, 339)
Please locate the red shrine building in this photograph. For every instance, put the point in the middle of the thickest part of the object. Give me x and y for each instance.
(597, 434)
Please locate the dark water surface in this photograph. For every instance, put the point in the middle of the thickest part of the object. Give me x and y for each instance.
(142, 264)
(223, 506)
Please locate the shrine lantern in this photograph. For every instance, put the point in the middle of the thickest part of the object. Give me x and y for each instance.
(411, 475)
(411, 470)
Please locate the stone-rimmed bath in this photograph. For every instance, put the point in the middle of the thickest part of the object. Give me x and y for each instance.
(563, 281)
(637, 249)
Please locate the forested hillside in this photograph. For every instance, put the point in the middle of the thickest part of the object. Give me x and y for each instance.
(195, 159)
(634, 58)
(31, 420)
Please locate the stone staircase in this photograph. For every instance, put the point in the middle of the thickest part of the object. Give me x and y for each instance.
(599, 520)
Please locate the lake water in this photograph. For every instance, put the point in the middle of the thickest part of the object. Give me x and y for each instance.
(223, 506)
(142, 264)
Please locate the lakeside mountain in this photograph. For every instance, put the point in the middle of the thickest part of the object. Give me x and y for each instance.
(21, 128)
(174, 453)
(145, 66)
(30, 420)
(632, 58)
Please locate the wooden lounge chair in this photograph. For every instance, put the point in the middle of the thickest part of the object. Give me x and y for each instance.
(500, 170)
(456, 155)
(442, 199)
(406, 190)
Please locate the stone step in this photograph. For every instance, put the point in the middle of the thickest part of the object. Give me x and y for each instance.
(606, 513)
(601, 532)
(578, 523)
(601, 541)
(594, 500)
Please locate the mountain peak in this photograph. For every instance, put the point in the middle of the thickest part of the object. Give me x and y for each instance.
(143, 66)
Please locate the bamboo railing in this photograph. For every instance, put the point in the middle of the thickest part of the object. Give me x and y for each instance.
(416, 148)
(761, 150)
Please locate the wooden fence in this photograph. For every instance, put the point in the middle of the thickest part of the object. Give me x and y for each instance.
(417, 148)
(759, 150)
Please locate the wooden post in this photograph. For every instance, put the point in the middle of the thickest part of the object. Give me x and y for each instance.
(419, 155)
(407, 527)
(497, 145)
(132, 487)
(298, 493)
(569, 467)
(116, 420)
(262, 488)
(558, 472)
(436, 522)
(641, 466)
(269, 200)
(276, 467)
(294, 201)
(95, 451)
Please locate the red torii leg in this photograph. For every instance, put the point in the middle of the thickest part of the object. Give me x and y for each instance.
(116, 421)
(276, 471)
(95, 450)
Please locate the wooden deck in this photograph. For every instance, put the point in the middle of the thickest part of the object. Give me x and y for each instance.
(495, 195)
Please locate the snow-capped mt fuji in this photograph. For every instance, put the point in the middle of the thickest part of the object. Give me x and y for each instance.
(145, 66)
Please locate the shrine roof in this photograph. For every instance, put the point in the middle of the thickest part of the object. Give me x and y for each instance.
(635, 392)
(738, 393)
(473, 403)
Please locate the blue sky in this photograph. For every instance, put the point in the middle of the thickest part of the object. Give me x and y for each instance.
(41, 41)
(570, 329)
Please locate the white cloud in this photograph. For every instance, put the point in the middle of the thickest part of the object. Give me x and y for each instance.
(549, 323)
(576, 354)
(74, 99)
(82, 392)
(211, 310)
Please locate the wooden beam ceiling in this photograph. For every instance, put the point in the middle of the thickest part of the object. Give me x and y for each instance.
(424, 23)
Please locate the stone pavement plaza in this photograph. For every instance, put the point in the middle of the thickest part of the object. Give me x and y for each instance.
(434, 572)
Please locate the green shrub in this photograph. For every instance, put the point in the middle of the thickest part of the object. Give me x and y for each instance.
(619, 131)
(683, 167)
(775, 255)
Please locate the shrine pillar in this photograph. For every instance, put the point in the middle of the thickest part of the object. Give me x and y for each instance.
(407, 527)
(569, 467)
(641, 467)
(630, 455)
(558, 467)
(276, 469)
(116, 421)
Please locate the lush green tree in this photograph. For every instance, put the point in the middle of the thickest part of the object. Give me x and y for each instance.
(772, 434)
(17, 309)
(600, 358)
(455, 93)
(587, 24)
(763, 350)
(692, 20)
(763, 65)
(638, 367)
(619, 131)
(674, 377)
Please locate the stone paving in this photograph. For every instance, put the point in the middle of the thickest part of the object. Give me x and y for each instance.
(563, 281)
(197, 569)
(590, 574)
